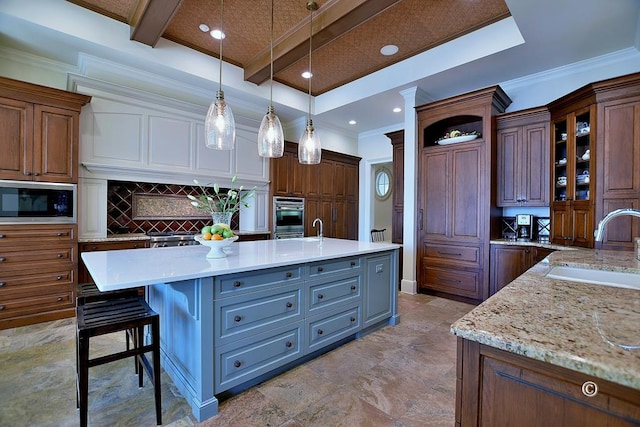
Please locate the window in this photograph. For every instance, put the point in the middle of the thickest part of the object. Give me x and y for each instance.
(383, 183)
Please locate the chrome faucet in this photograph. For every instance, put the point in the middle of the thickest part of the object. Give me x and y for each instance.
(599, 233)
(315, 221)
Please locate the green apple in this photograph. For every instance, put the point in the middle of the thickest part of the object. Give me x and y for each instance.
(206, 229)
(217, 229)
(227, 233)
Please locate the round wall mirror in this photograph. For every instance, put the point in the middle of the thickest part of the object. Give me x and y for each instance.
(383, 183)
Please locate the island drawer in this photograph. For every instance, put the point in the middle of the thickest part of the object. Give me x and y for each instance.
(326, 329)
(233, 284)
(251, 357)
(341, 291)
(332, 266)
(258, 312)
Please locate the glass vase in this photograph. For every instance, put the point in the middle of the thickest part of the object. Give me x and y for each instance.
(221, 217)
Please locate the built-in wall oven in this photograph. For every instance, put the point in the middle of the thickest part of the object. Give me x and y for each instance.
(288, 217)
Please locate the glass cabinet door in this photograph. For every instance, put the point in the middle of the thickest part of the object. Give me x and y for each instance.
(561, 158)
(582, 156)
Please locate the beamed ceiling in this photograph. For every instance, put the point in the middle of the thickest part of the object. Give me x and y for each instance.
(347, 34)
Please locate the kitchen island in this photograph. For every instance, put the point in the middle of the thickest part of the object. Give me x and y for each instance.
(545, 351)
(229, 323)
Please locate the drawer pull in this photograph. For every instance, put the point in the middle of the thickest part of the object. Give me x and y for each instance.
(237, 284)
(1, 307)
(353, 263)
(288, 344)
(289, 274)
(2, 284)
(59, 255)
(320, 296)
(2, 258)
(446, 279)
(2, 236)
(237, 318)
(62, 234)
(353, 287)
(353, 319)
(58, 277)
(93, 248)
(135, 246)
(320, 332)
(590, 389)
(59, 299)
(450, 253)
(237, 363)
(320, 269)
(289, 305)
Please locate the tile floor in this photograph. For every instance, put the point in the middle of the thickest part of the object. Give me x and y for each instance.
(396, 376)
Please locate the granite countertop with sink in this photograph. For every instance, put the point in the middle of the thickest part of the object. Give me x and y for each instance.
(535, 243)
(592, 329)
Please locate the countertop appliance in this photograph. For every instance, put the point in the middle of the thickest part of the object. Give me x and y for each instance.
(524, 227)
(159, 239)
(288, 217)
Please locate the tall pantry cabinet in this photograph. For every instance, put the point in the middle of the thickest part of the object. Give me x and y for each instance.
(455, 201)
(39, 128)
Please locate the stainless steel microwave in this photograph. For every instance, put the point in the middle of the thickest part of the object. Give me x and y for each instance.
(37, 202)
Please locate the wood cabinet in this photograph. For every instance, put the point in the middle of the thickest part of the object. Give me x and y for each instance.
(330, 190)
(39, 128)
(510, 261)
(83, 274)
(454, 194)
(397, 141)
(498, 388)
(39, 268)
(523, 158)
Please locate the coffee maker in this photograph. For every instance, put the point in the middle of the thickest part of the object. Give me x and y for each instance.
(524, 227)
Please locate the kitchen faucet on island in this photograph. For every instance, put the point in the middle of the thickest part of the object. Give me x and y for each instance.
(599, 233)
(315, 221)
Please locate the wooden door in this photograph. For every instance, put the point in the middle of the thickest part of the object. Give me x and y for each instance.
(312, 210)
(466, 210)
(327, 179)
(16, 139)
(507, 263)
(55, 144)
(280, 174)
(582, 224)
(535, 165)
(560, 223)
(435, 195)
(509, 169)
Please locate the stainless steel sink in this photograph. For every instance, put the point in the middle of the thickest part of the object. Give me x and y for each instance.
(598, 277)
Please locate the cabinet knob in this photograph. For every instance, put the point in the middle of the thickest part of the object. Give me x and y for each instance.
(320, 332)
(2, 259)
(237, 363)
(2, 284)
(2, 236)
(237, 318)
(320, 269)
(135, 246)
(58, 277)
(2, 307)
(320, 296)
(289, 305)
(36, 174)
(237, 284)
(353, 319)
(289, 274)
(93, 248)
(353, 263)
(27, 173)
(59, 299)
(288, 344)
(59, 255)
(60, 234)
(590, 389)
(353, 287)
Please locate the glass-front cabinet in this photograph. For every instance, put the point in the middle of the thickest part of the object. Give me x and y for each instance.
(573, 139)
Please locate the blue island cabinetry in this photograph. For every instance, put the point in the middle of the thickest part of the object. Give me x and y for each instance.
(220, 334)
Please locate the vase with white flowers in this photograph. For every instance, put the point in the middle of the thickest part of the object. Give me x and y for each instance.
(222, 204)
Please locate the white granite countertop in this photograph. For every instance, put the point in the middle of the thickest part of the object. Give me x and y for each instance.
(143, 236)
(532, 243)
(130, 268)
(569, 324)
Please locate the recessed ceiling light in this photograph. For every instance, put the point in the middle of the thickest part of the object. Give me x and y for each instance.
(352, 122)
(204, 28)
(217, 34)
(307, 75)
(388, 50)
(397, 110)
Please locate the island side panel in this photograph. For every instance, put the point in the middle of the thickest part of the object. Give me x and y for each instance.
(186, 338)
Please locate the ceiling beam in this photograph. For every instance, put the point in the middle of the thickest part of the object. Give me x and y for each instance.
(150, 19)
(330, 22)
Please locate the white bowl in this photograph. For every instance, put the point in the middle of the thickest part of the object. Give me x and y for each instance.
(216, 246)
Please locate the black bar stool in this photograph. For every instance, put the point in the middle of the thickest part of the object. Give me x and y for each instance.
(119, 312)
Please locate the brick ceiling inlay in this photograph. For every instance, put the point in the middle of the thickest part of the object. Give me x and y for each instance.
(413, 25)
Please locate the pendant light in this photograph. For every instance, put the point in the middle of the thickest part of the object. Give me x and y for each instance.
(309, 149)
(270, 134)
(220, 128)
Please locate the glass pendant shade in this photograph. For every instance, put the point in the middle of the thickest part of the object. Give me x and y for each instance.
(309, 148)
(220, 127)
(270, 135)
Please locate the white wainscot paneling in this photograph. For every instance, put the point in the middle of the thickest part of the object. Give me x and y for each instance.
(170, 142)
(248, 163)
(212, 162)
(92, 207)
(116, 137)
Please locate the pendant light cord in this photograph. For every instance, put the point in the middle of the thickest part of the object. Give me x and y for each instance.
(310, 73)
(271, 49)
(221, 37)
